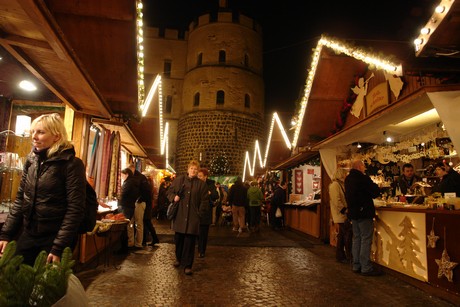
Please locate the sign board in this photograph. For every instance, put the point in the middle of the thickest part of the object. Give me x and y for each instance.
(377, 98)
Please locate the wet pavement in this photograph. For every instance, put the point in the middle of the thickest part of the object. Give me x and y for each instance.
(269, 268)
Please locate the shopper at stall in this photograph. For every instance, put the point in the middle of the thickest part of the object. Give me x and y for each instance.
(49, 205)
(193, 197)
(206, 220)
(149, 229)
(449, 179)
(127, 203)
(406, 180)
(237, 198)
(255, 199)
(360, 191)
(338, 212)
(278, 199)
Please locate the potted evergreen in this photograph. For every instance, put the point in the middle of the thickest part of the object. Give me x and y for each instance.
(44, 284)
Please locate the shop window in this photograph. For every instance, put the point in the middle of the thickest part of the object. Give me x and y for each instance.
(168, 105)
(196, 100)
(220, 98)
(222, 56)
(247, 101)
(199, 60)
(167, 69)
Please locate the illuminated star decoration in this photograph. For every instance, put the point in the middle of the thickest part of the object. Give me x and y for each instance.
(445, 266)
(432, 238)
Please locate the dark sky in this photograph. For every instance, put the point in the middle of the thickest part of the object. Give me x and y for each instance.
(292, 28)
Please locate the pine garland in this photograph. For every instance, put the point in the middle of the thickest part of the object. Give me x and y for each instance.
(41, 285)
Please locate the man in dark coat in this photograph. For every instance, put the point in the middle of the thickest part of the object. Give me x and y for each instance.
(193, 197)
(238, 199)
(360, 191)
(206, 220)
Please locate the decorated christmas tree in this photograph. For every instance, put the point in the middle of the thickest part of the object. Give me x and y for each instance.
(219, 164)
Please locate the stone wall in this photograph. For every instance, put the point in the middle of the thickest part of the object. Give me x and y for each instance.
(213, 133)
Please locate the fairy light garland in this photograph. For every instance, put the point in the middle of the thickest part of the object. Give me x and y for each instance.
(140, 54)
(338, 47)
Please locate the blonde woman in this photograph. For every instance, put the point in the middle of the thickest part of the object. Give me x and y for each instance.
(50, 202)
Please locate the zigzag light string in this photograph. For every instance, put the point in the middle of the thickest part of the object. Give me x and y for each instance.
(338, 47)
(257, 153)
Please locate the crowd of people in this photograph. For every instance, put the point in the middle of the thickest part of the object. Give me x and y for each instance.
(47, 211)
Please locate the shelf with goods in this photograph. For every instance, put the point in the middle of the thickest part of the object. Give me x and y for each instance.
(12, 158)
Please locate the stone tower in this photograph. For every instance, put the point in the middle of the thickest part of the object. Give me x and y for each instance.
(223, 91)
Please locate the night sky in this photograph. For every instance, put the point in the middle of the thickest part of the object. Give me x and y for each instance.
(292, 28)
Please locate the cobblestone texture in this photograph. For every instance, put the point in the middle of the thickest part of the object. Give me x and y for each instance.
(278, 269)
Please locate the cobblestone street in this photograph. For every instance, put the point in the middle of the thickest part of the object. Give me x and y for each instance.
(270, 268)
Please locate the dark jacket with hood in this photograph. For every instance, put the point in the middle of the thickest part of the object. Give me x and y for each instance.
(50, 199)
(360, 191)
(193, 203)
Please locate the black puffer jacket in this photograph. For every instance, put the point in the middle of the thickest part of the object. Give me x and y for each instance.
(360, 191)
(50, 199)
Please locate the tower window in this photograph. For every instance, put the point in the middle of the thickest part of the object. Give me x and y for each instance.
(220, 98)
(247, 101)
(222, 56)
(199, 60)
(167, 68)
(246, 60)
(196, 100)
(168, 106)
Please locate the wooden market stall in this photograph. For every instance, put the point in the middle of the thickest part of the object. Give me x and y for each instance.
(71, 51)
(418, 108)
(368, 93)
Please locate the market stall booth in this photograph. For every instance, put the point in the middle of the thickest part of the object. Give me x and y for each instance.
(394, 116)
(71, 51)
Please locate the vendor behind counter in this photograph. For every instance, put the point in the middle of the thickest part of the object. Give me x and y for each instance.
(449, 179)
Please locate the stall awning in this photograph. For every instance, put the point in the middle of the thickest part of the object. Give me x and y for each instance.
(391, 120)
(296, 160)
(128, 140)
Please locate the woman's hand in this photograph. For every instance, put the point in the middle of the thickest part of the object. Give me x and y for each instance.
(52, 258)
(176, 198)
(2, 246)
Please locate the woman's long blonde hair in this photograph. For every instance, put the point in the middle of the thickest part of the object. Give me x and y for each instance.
(54, 124)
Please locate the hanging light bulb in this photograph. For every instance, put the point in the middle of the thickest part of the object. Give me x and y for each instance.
(359, 145)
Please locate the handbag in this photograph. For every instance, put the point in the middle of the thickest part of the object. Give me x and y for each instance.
(172, 210)
(278, 212)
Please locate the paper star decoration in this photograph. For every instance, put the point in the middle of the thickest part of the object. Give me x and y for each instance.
(432, 238)
(445, 266)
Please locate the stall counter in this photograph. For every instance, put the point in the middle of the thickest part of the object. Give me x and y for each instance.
(416, 241)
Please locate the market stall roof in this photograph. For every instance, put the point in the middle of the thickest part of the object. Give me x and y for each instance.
(128, 140)
(147, 132)
(296, 160)
(398, 119)
(443, 39)
(51, 40)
